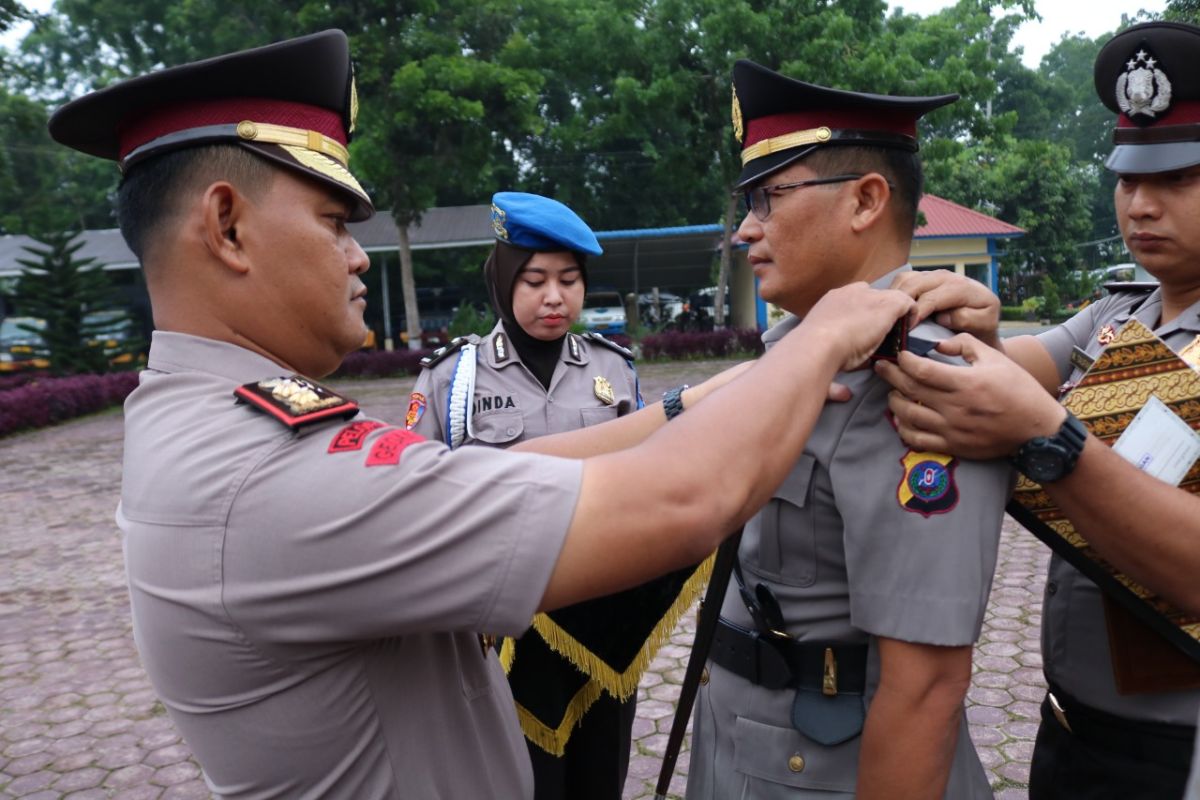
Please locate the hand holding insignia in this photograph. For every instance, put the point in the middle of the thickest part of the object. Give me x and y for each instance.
(954, 301)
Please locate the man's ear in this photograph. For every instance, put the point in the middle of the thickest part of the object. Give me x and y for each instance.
(872, 196)
(224, 208)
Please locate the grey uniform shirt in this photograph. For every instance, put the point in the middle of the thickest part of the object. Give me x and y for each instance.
(509, 405)
(850, 562)
(1075, 651)
(307, 604)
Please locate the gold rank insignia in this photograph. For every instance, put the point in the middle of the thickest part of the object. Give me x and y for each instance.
(603, 390)
(296, 400)
(499, 217)
(1107, 334)
(1191, 353)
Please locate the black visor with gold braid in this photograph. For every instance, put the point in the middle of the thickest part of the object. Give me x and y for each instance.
(778, 120)
(293, 103)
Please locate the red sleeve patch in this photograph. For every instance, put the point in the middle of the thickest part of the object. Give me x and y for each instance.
(388, 447)
(353, 435)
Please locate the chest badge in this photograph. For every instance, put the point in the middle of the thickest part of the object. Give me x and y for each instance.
(928, 486)
(1106, 335)
(1191, 353)
(603, 390)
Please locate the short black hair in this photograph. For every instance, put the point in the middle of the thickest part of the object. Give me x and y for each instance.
(151, 192)
(901, 167)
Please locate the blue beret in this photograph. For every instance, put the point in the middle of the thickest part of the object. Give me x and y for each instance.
(539, 223)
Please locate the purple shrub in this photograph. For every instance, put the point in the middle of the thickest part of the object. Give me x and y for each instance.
(676, 345)
(45, 401)
(381, 363)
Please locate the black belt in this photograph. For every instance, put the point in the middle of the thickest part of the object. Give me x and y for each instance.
(778, 662)
(1158, 742)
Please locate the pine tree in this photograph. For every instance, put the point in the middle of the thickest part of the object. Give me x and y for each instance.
(75, 298)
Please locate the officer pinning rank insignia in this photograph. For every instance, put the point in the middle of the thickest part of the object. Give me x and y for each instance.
(296, 401)
(603, 390)
(927, 486)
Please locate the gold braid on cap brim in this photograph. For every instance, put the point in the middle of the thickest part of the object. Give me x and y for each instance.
(296, 137)
(319, 162)
(788, 141)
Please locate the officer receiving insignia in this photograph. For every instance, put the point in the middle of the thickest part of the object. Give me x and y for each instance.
(861, 585)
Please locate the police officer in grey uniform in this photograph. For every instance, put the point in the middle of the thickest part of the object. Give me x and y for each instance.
(513, 385)
(843, 653)
(1095, 741)
(529, 377)
(308, 584)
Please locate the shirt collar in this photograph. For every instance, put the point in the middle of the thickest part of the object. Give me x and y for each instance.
(782, 328)
(181, 352)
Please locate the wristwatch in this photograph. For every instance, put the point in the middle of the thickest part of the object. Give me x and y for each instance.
(673, 402)
(1049, 458)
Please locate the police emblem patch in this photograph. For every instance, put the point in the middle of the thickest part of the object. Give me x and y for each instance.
(416, 410)
(603, 390)
(927, 486)
(352, 436)
(388, 447)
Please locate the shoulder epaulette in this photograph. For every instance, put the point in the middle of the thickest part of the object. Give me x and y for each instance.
(296, 401)
(441, 353)
(1142, 287)
(611, 345)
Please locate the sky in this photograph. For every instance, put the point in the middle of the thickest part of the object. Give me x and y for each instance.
(1058, 17)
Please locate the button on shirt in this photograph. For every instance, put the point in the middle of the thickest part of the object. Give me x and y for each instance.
(307, 605)
(1075, 650)
(848, 563)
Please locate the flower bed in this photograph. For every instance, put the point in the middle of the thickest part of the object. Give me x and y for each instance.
(45, 401)
(380, 363)
(702, 344)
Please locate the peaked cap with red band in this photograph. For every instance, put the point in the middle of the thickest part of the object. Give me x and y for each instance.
(779, 120)
(291, 102)
(1150, 76)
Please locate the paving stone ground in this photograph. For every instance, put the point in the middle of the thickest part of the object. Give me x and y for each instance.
(79, 720)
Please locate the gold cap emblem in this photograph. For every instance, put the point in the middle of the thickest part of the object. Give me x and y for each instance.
(353, 105)
(738, 130)
(603, 390)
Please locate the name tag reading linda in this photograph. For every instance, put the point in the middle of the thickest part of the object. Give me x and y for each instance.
(1159, 443)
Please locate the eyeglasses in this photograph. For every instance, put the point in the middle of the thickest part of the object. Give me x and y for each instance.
(758, 199)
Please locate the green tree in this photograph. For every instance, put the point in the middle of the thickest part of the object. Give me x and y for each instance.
(63, 289)
(1183, 11)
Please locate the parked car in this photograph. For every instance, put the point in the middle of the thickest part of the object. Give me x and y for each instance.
(668, 308)
(21, 345)
(113, 331)
(603, 312)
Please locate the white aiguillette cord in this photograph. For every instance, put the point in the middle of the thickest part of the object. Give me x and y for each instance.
(462, 388)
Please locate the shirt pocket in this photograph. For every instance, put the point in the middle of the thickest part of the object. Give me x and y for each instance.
(594, 416)
(778, 761)
(498, 427)
(786, 529)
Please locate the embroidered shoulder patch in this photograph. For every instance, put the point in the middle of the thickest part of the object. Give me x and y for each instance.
(352, 436)
(388, 447)
(416, 410)
(927, 486)
(591, 336)
(296, 401)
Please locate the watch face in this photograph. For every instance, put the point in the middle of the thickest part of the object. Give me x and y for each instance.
(1043, 466)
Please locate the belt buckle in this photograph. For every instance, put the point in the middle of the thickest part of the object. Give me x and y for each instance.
(1059, 713)
(829, 674)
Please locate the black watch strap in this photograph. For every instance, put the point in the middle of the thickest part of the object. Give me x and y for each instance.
(1065, 446)
(673, 401)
